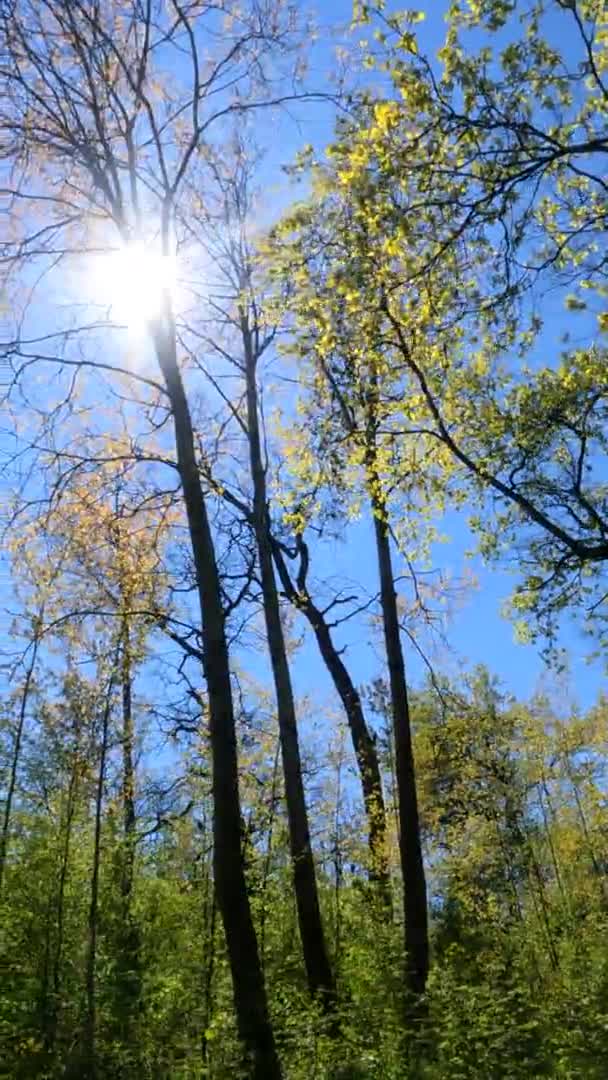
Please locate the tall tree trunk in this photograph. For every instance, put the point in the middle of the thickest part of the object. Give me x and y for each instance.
(128, 769)
(416, 937)
(231, 889)
(599, 872)
(89, 1062)
(415, 912)
(338, 864)
(410, 847)
(44, 1009)
(12, 780)
(71, 801)
(316, 958)
(128, 943)
(269, 851)
(548, 815)
(362, 740)
(545, 910)
(209, 920)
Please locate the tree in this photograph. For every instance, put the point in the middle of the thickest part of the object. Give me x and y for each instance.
(98, 121)
(22, 706)
(461, 198)
(344, 446)
(239, 306)
(363, 740)
(245, 335)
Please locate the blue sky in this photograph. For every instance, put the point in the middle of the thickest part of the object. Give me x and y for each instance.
(477, 632)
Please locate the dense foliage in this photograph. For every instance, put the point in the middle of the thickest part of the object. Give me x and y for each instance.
(513, 816)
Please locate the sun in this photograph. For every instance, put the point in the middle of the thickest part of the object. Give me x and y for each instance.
(132, 283)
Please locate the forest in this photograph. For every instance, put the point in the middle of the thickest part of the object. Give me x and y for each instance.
(303, 371)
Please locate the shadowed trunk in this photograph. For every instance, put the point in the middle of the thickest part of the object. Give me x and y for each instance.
(89, 1063)
(231, 890)
(209, 920)
(128, 943)
(362, 739)
(12, 781)
(71, 802)
(415, 910)
(410, 848)
(269, 852)
(316, 958)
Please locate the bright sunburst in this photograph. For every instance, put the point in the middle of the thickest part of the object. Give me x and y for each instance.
(131, 283)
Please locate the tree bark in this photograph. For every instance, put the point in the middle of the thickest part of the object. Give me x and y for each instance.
(415, 910)
(410, 847)
(12, 782)
(316, 959)
(209, 920)
(269, 852)
(249, 990)
(128, 768)
(362, 740)
(53, 1012)
(89, 1062)
(128, 939)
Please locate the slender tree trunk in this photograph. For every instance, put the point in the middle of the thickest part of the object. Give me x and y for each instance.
(416, 936)
(89, 1063)
(53, 1022)
(209, 920)
(268, 856)
(548, 812)
(338, 864)
(599, 872)
(12, 780)
(362, 740)
(410, 847)
(44, 998)
(544, 907)
(128, 770)
(415, 912)
(231, 889)
(128, 940)
(515, 906)
(316, 958)
(519, 834)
